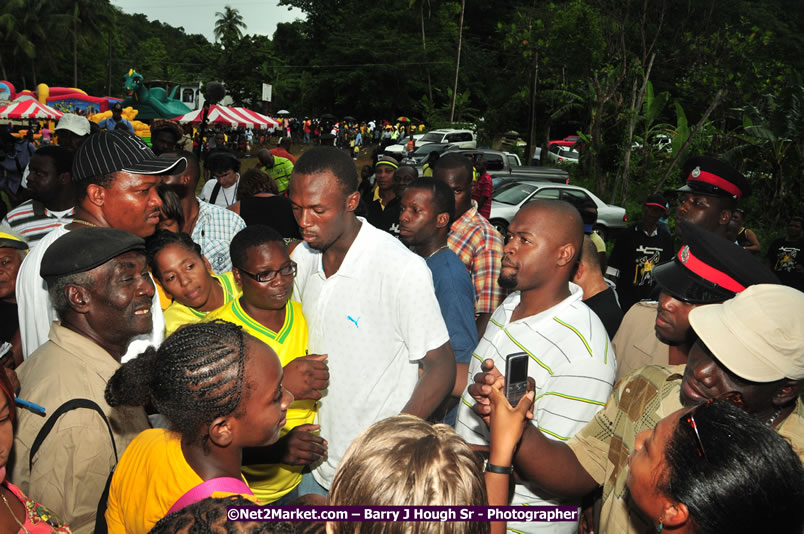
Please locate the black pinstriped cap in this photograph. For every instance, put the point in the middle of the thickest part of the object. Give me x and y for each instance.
(115, 150)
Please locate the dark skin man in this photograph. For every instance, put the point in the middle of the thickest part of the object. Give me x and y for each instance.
(710, 212)
(116, 306)
(50, 187)
(424, 229)
(184, 185)
(459, 179)
(324, 211)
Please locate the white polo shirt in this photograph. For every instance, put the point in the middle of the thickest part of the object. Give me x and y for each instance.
(375, 318)
(573, 364)
(36, 313)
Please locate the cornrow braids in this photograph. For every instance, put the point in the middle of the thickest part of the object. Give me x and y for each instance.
(196, 375)
(209, 515)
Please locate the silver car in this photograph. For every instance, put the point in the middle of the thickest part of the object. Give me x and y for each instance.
(506, 201)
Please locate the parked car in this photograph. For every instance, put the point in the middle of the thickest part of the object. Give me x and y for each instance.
(536, 174)
(462, 138)
(500, 164)
(562, 154)
(509, 197)
(399, 149)
(659, 142)
(420, 154)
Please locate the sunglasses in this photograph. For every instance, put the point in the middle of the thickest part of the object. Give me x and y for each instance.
(689, 418)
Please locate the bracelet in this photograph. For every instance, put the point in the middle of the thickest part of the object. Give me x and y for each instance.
(489, 467)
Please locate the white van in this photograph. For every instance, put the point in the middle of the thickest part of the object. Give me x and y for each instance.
(460, 138)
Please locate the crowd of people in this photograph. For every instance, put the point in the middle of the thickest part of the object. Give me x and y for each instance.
(300, 335)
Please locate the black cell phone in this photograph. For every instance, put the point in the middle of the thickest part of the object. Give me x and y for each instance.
(516, 377)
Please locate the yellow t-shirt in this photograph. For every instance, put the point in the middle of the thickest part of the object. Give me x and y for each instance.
(151, 476)
(270, 482)
(165, 300)
(177, 314)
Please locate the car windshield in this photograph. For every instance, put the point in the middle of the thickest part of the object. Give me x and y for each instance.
(432, 137)
(514, 193)
(426, 149)
(569, 154)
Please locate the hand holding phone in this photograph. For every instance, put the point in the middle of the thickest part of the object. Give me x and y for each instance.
(516, 377)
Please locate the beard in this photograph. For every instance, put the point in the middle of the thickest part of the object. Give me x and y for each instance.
(508, 282)
(689, 338)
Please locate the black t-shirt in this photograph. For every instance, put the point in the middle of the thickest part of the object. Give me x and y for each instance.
(635, 255)
(385, 219)
(604, 304)
(787, 259)
(9, 322)
(274, 211)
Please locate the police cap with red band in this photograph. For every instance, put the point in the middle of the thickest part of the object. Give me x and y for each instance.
(709, 269)
(709, 176)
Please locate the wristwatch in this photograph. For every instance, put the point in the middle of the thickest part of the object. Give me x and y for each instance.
(489, 467)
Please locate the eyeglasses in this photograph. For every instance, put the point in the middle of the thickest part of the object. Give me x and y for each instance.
(689, 418)
(267, 276)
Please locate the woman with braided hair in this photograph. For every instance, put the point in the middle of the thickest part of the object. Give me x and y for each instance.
(221, 390)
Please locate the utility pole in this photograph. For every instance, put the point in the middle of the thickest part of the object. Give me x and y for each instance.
(457, 64)
(109, 68)
(531, 147)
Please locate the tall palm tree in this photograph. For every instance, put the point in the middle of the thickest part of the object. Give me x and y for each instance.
(87, 16)
(228, 26)
(13, 41)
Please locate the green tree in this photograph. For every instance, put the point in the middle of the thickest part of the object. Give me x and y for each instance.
(228, 26)
(13, 38)
(772, 139)
(88, 18)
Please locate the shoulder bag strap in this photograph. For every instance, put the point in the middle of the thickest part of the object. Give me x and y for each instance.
(70, 405)
(215, 190)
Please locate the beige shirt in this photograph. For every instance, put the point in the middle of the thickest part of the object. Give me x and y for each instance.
(73, 463)
(635, 343)
(637, 403)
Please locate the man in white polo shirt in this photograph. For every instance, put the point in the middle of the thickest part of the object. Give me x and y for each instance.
(569, 353)
(369, 304)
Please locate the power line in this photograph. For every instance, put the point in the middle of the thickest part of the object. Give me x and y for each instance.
(275, 66)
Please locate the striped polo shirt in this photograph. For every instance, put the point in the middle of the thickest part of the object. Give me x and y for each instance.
(34, 221)
(572, 361)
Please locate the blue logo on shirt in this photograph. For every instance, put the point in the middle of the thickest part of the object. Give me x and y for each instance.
(354, 320)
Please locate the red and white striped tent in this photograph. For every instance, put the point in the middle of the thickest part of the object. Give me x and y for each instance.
(229, 116)
(29, 109)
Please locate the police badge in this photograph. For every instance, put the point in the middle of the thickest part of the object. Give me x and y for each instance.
(684, 253)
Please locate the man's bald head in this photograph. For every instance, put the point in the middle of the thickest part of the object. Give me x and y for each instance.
(545, 240)
(564, 222)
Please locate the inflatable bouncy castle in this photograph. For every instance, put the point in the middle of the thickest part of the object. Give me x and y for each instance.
(65, 99)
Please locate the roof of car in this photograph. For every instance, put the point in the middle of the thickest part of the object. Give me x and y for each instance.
(449, 130)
